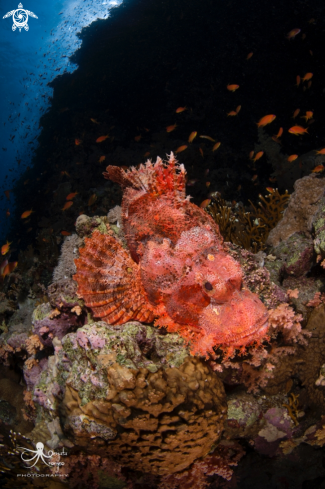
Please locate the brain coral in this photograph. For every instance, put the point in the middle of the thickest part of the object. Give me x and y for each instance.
(134, 395)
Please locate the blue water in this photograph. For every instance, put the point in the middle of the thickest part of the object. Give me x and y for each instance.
(29, 60)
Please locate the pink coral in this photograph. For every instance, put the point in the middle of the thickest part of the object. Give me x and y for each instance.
(176, 268)
(284, 319)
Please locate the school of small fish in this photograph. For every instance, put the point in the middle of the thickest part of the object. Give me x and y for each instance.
(202, 143)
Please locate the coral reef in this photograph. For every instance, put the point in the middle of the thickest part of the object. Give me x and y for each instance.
(138, 395)
(129, 402)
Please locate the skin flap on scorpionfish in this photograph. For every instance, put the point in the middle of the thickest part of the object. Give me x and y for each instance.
(176, 270)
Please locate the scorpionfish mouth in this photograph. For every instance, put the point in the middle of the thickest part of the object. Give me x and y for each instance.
(240, 321)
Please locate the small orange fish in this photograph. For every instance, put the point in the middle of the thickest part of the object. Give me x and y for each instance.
(309, 114)
(216, 146)
(232, 88)
(267, 119)
(298, 80)
(205, 203)
(307, 76)
(309, 84)
(292, 158)
(232, 113)
(92, 200)
(71, 196)
(251, 155)
(272, 179)
(201, 152)
(207, 184)
(65, 233)
(254, 177)
(7, 194)
(318, 169)
(94, 121)
(181, 148)
(296, 112)
(9, 268)
(147, 153)
(102, 158)
(280, 132)
(8, 213)
(3, 266)
(258, 156)
(180, 109)
(26, 214)
(77, 142)
(137, 138)
(270, 189)
(276, 140)
(67, 205)
(297, 130)
(208, 137)
(292, 34)
(238, 108)
(5, 248)
(171, 128)
(192, 136)
(65, 173)
(321, 152)
(249, 55)
(101, 138)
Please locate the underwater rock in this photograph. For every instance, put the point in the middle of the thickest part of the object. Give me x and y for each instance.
(49, 323)
(304, 366)
(319, 230)
(134, 395)
(63, 293)
(86, 225)
(66, 267)
(260, 421)
(296, 254)
(302, 207)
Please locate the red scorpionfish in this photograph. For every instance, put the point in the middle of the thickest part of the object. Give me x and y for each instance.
(176, 270)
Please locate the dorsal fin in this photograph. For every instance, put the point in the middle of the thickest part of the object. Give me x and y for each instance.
(157, 178)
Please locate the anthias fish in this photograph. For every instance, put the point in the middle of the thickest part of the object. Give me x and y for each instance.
(176, 270)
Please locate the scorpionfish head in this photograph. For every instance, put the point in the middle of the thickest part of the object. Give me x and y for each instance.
(201, 288)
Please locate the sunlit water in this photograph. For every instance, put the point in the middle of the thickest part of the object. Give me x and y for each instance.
(29, 60)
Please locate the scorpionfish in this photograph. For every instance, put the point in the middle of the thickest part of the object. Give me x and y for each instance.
(175, 271)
